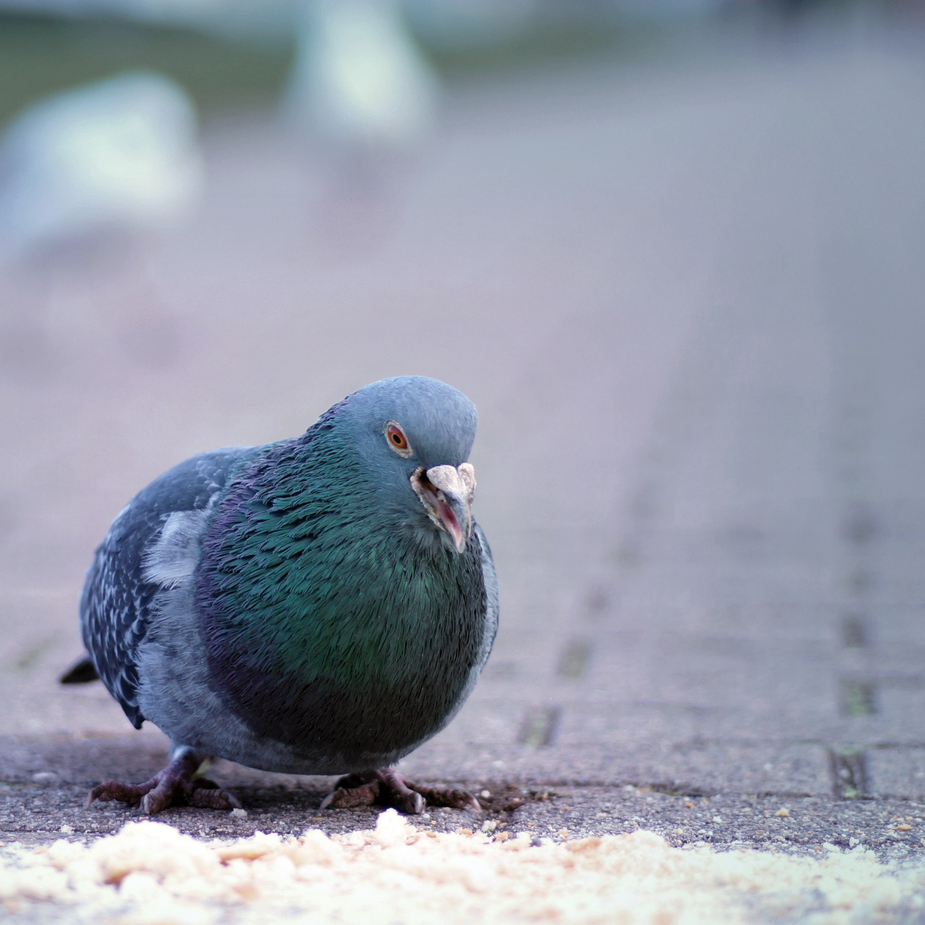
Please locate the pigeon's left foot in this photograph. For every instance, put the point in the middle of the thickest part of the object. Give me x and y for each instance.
(175, 785)
(389, 788)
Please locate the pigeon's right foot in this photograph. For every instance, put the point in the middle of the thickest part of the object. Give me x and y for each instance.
(387, 787)
(176, 785)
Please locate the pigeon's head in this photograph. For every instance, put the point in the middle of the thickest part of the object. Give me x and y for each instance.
(414, 435)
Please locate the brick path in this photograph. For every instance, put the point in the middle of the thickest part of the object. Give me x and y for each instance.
(688, 303)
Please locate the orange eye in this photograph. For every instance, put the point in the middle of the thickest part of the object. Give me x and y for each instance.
(397, 439)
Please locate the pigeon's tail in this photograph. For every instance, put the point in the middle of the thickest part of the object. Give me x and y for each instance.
(81, 672)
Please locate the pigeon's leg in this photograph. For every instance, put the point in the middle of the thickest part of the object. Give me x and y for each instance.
(389, 788)
(177, 784)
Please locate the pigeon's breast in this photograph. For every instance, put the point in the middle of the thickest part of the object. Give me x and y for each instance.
(326, 632)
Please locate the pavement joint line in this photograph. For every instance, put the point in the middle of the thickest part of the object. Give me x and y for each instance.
(539, 727)
(858, 697)
(848, 771)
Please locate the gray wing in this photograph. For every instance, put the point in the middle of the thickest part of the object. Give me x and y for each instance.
(115, 606)
(490, 576)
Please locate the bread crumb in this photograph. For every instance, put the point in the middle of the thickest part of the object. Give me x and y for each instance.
(783, 811)
(392, 829)
(151, 873)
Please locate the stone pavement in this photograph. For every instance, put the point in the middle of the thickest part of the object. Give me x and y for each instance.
(688, 302)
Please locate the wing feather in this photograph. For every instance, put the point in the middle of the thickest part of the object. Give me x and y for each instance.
(152, 540)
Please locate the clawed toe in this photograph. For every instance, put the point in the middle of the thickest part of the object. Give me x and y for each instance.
(447, 796)
(206, 794)
(352, 791)
(386, 787)
(132, 794)
(174, 786)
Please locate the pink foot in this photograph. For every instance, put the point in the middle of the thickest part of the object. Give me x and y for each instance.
(387, 787)
(176, 785)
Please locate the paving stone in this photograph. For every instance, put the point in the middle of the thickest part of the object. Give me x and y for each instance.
(897, 772)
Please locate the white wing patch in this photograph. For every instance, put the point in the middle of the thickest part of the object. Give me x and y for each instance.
(173, 556)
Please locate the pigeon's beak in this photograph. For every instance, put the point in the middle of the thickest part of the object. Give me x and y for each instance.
(446, 493)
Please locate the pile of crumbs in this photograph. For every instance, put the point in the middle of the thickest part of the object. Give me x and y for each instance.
(151, 874)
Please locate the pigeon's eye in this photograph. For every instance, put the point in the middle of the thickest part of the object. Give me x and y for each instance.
(397, 439)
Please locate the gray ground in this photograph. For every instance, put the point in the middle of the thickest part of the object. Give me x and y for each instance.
(687, 299)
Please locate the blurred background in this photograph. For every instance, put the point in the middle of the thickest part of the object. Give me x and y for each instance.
(671, 248)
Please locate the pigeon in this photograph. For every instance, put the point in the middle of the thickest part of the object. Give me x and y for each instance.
(319, 605)
(359, 82)
(118, 155)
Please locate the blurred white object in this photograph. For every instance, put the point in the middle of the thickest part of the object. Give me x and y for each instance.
(359, 81)
(460, 25)
(118, 154)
